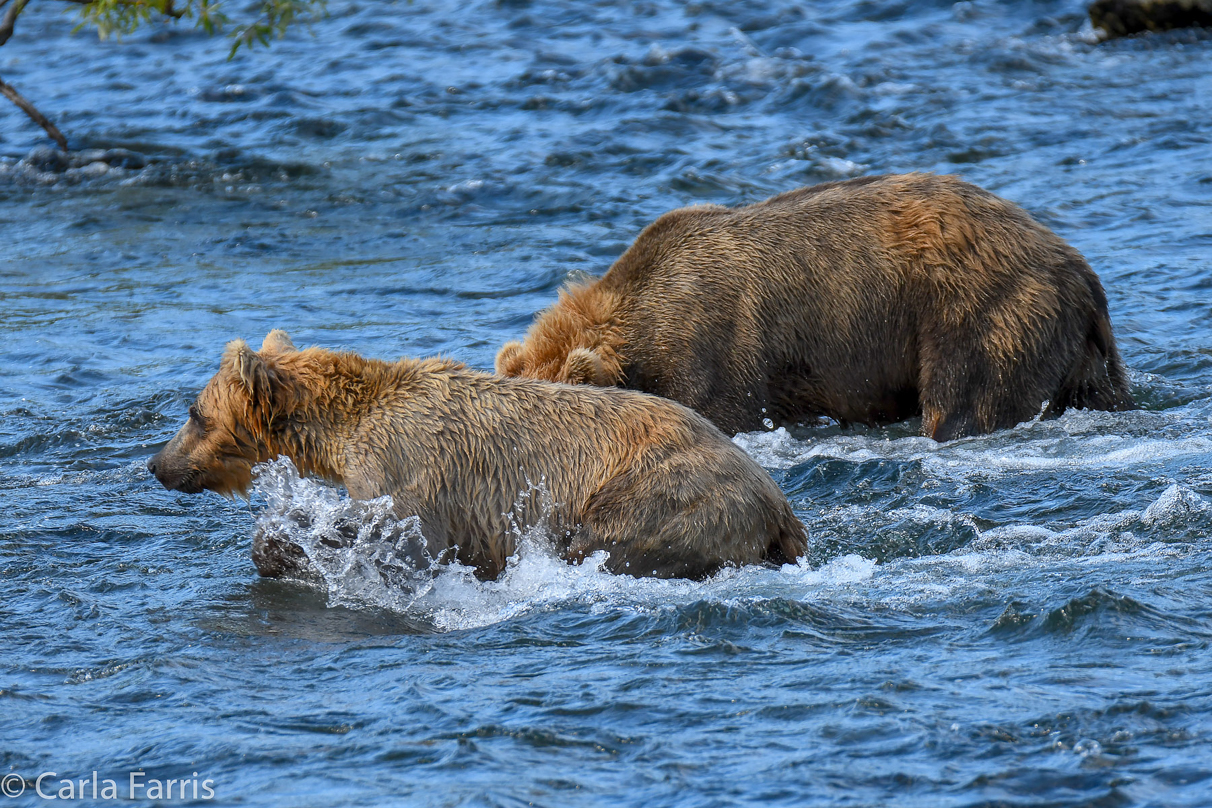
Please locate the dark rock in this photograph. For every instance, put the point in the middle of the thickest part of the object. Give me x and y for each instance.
(44, 158)
(124, 158)
(1123, 17)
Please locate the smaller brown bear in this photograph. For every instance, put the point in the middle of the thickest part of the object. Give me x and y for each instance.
(869, 301)
(647, 480)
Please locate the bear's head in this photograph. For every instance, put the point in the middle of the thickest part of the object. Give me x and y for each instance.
(230, 424)
(576, 341)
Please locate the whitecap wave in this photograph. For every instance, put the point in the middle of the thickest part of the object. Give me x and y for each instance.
(1080, 439)
(365, 557)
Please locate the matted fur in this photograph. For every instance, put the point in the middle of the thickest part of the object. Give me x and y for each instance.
(649, 481)
(869, 301)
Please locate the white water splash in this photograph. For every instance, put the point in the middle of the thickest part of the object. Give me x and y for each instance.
(361, 552)
(1080, 439)
(363, 556)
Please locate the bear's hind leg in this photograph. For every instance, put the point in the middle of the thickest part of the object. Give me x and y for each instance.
(685, 516)
(943, 426)
(947, 385)
(1096, 380)
(968, 388)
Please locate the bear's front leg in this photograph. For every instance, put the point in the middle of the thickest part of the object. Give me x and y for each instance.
(276, 556)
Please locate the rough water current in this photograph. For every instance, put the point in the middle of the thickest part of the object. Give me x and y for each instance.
(1022, 619)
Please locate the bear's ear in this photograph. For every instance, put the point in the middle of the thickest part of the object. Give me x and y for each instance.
(258, 378)
(583, 366)
(510, 359)
(276, 342)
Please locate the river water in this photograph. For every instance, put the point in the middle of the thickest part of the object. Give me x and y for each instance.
(1021, 619)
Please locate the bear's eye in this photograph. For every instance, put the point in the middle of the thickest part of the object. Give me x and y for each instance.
(196, 416)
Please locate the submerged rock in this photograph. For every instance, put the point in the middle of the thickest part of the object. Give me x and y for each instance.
(46, 159)
(124, 158)
(1123, 17)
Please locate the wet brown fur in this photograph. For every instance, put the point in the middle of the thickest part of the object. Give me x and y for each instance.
(869, 300)
(649, 481)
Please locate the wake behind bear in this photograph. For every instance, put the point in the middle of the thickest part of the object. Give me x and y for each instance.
(653, 484)
(869, 301)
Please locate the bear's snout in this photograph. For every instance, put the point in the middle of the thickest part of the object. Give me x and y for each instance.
(173, 480)
(155, 465)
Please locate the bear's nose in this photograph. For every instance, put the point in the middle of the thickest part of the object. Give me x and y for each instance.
(151, 464)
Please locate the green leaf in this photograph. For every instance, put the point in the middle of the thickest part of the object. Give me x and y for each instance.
(270, 20)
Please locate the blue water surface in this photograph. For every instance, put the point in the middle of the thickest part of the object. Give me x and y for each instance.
(1021, 619)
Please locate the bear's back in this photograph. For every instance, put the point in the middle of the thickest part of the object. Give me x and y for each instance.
(864, 225)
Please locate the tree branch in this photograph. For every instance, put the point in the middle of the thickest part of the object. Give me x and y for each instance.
(29, 109)
(10, 19)
(8, 91)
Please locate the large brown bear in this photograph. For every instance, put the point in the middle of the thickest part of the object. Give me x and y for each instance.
(647, 480)
(870, 300)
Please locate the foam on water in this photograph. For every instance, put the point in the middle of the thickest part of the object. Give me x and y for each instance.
(365, 557)
(1168, 528)
(1079, 439)
(361, 552)
(1109, 536)
(383, 566)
